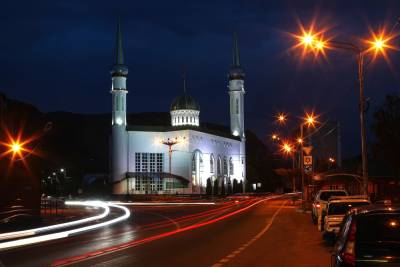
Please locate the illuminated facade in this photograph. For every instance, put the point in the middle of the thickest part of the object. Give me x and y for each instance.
(183, 157)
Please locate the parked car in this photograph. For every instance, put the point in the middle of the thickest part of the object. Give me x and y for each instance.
(336, 210)
(320, 201)
(370, 236)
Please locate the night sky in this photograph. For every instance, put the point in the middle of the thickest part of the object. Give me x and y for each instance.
(57, 56)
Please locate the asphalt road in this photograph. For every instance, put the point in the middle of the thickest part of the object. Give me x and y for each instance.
(248, 233)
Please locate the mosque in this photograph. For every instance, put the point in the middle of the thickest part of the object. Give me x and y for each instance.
(185, 157)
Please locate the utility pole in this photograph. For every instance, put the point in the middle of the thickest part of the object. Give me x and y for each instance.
(170, 143)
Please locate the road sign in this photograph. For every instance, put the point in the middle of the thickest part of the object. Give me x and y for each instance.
(308, 149)
(307, 160)
(308, 169)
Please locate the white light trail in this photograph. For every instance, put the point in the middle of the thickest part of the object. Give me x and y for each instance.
(59, 235)
(41, 230)
(161, 203)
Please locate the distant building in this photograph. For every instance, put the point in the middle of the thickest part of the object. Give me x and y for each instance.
(140, 155)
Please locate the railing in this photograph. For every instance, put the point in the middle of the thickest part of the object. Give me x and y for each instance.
(52, 206)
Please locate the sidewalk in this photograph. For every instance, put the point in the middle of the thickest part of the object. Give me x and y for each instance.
(293, 240)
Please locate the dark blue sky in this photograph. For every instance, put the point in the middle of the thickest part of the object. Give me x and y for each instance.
(57, 56)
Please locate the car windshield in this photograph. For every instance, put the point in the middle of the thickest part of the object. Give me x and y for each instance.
(326, 195)
(343, 207)
(378, 228)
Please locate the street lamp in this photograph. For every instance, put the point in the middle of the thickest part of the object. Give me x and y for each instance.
(378, 44)
(275, 137)
(288, 149)
(170, 143)
(310, 120)
(281, 118)
(13, 147)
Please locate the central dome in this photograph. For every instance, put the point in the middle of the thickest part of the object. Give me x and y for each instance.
(185, 102)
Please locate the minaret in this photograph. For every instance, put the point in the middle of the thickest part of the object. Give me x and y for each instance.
(236, 94)
(119, 73)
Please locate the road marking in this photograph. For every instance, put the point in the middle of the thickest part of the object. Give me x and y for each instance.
(64, 234)
(130, 244)
(248, 243)
(164, 217)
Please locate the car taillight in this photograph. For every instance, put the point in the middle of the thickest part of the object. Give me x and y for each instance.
(349, 254)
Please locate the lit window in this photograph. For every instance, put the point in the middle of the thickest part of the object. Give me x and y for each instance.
(212, 163)
(230, 166)
(225, 166)
(219, 166)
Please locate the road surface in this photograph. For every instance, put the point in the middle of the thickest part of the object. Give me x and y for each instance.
(253, 232)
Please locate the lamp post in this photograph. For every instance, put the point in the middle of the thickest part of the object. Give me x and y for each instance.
(288, 149)
(313, 41)
(170, 143)
(310, 120)
(359, 53)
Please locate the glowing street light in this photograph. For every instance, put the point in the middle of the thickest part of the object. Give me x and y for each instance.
(281, 117)
(275, 137)
(319, 45)
(287, 148)
(379, 43)
(310, 120)
(300, 140)
(16, 147)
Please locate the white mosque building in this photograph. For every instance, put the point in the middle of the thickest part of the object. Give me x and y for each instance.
(182, 158)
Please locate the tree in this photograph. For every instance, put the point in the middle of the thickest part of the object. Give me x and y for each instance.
(216, 187)
(386, 127)
(209, 187)
(223, 186)
(235, 186)
(229, 187)
(241, 187)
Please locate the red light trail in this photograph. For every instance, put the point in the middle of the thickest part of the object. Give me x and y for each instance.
(135, 243)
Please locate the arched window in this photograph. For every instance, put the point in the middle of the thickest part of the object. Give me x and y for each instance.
(230, 166)
(225, 166)
(194, 165)
(194, 169)
(197, 168)
(219, 169)
(211, 163)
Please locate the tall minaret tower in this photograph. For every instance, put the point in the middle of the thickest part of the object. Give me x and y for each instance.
(119, 73)
(236, 95)
(236, 92)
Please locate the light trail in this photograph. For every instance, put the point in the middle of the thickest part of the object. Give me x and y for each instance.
(185, 218)
(64, 234)
(162, 203)
(93, 254)
(41, 230)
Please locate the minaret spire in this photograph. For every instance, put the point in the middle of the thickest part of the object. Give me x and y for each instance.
(184, 82)
(119, 51)
(236, 56)
(119, 68)
(119, 141)
(236, 71)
